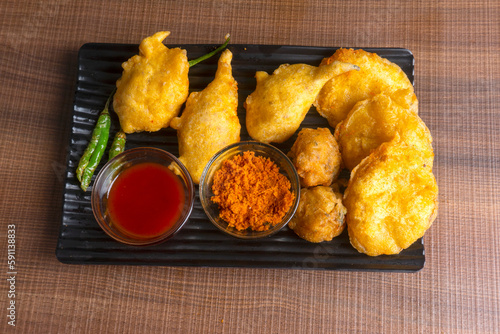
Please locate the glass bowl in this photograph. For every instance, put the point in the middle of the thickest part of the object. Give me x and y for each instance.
(113, 169)
(260, 149)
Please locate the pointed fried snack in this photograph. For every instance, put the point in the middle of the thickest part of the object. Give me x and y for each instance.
(376, 75)
(280, 101)
(391, 199)
(316, 156)
(209, 121)
(376, 120)
(153, 86)
(320, 214)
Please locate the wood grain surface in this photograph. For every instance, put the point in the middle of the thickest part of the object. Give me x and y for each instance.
(456, 45)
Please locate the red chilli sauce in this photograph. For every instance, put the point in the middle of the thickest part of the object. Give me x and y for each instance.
(145, 200)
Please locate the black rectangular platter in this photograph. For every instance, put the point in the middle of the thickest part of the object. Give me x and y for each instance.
(199, 243)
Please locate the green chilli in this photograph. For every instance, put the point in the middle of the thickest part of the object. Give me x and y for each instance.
(118, 145)
(95, 150)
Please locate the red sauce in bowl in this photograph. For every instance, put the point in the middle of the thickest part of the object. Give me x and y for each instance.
(145, 200)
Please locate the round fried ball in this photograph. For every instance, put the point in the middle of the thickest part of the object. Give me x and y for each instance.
(320, 214)
(316, 156)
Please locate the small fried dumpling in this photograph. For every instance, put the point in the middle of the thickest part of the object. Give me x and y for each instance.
(280, 101)
(376, 120)
(209, 122)
(320, 214)
(153, 86)
(316, 156)
(376, 75)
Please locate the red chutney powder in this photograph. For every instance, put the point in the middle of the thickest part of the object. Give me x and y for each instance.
(251, 192)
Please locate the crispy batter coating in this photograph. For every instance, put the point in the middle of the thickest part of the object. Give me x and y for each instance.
(316, 156)
(376, 75)
(153, 86)
(376, 120)
(209, 121)
(320, 214)
(280, 101)
(391, 199)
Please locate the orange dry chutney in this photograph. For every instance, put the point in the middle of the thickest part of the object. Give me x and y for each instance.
(251, 192)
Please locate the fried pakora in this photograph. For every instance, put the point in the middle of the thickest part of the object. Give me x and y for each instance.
(320, 214)
(316, 156)
(209, 121)
(341, 93)
(391, 199)
(280, 101)
(153, 86)
(376, 120)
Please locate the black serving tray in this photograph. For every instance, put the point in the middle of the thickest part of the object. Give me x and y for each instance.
(199, 243)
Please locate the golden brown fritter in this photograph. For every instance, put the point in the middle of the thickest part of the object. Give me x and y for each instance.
(320, 214)
(209, 121)
(376, 75)
(280, 101)
(316, 156)
(376, 120)
(391, 199)
(153, 86)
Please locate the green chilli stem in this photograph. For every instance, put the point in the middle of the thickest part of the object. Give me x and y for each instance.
(210, 54)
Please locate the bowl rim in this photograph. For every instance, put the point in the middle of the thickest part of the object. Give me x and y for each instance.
(95, 200)
(294, 175)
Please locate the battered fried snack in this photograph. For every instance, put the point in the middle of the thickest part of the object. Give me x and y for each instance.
(320, 214)
(209, 121)
(280, 101)
(316, 156)
(153, 86)
(391, 199)
(376, 75)
(376, 120)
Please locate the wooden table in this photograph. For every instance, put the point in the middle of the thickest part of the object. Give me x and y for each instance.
(456, 45)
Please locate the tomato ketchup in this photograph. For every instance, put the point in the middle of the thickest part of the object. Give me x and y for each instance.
(145, 200)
